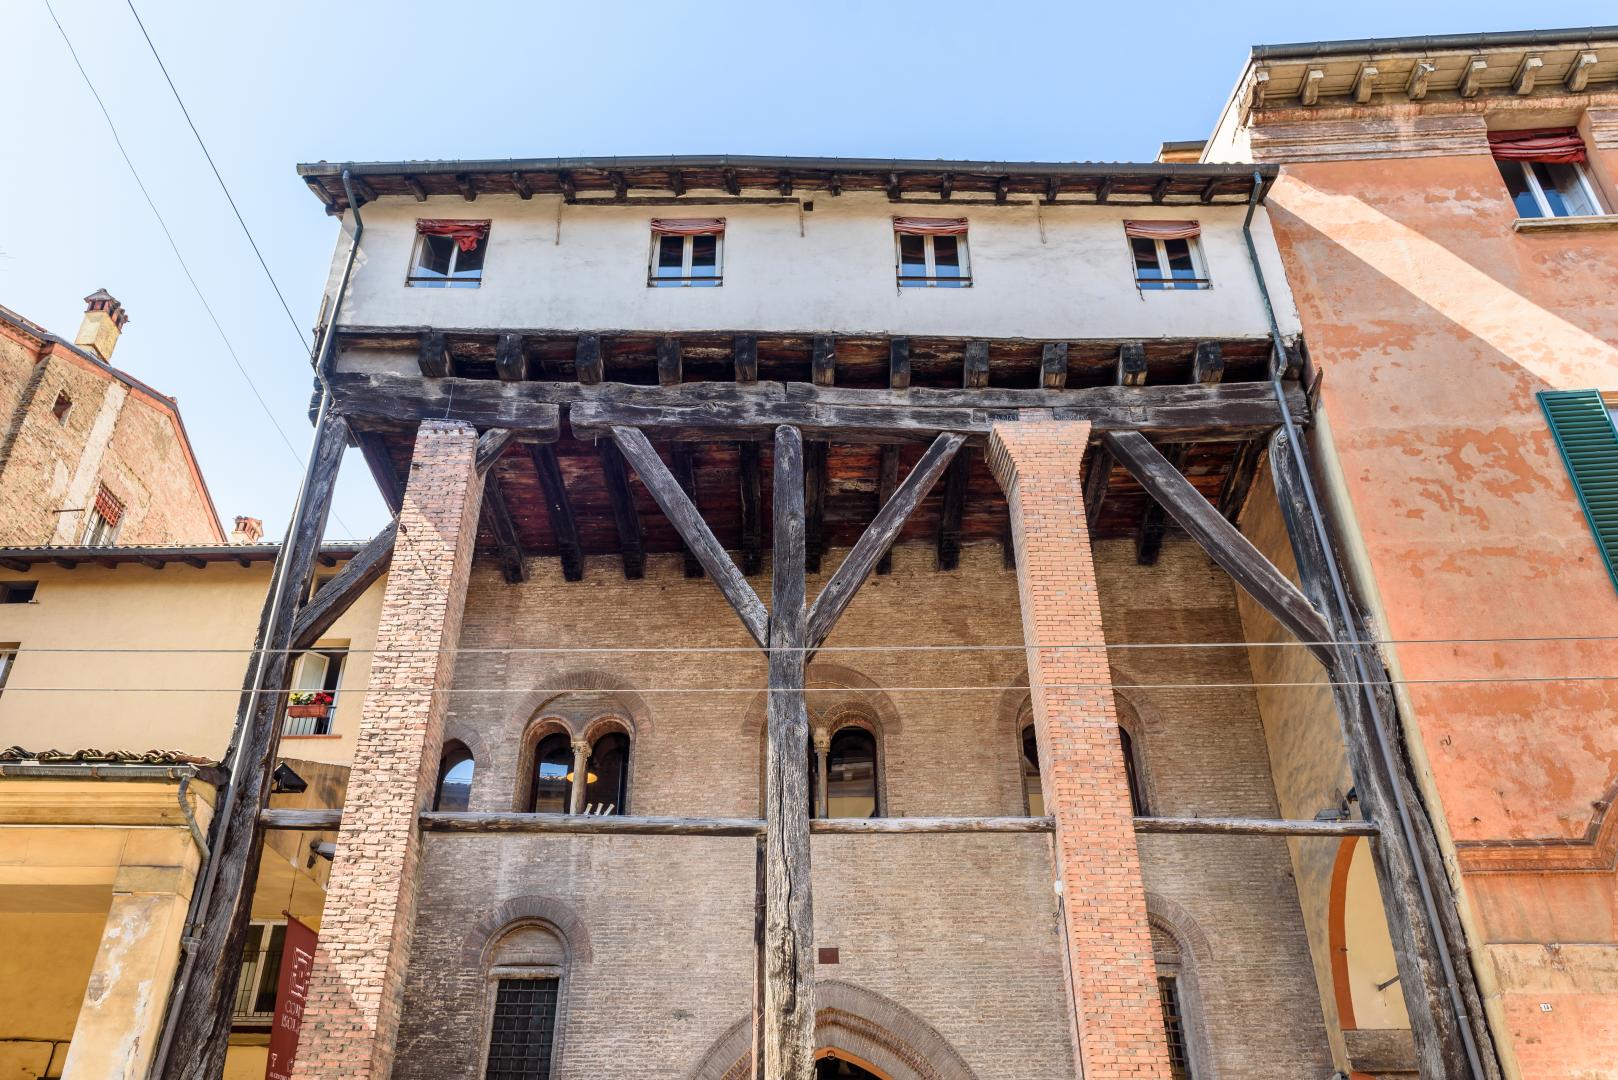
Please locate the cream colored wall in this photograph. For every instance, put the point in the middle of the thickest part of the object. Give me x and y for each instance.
(589, 272)
(1370, 949)
(44, 964)
(167, 698)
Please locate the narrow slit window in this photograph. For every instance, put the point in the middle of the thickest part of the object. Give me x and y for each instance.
(63, 406)
(8, 660)
(1167, 254)
(687, 253)
(1137, 794)
(931, 253)
(1544, 172)
(455, 771)
(449, 254)
(1033, 793)
(1168, 995)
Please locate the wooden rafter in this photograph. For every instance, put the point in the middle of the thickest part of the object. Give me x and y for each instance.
(559, 508)
(752, 508)
(949, 523)
(631, 542)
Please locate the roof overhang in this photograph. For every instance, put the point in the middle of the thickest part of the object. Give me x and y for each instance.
(21, 559)
(747, 177)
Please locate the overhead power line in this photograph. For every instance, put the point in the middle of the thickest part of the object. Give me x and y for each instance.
(174, 247)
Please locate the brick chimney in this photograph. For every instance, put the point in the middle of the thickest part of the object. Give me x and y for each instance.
(248, 530)
(104, 319)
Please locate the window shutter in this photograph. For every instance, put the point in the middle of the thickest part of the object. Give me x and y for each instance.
(1589, 443)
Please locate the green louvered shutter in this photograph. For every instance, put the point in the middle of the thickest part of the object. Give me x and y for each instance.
(1589, 443)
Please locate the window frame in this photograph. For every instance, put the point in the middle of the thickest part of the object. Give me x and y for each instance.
(462, 754)
(1537, 190)
(98, 531)
(10, 588)
(494, 972)
(331, 682)
(254, 1019)
(448, 280)
(1168, 282)
(1170, 988)
(686, 280)
(878, 803)
(931, 279)
(8, 661)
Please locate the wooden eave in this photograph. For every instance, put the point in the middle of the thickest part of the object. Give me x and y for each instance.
(671, 179)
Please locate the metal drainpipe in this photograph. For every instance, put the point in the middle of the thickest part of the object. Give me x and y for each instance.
(202, 895)
(1384, 745)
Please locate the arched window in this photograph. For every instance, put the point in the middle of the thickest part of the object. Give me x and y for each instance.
(1033, 795)
(553, 769)
(851, 774)
(1182, 1018)
(606, 786)
(1137, 790)
(454, 791)
(526, 973)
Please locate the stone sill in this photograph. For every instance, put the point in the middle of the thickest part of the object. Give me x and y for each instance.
(285, 737)
(1581, 223)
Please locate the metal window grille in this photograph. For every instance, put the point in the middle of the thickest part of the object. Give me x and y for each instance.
(1168, 994)
(524, 1030)
(260, 976)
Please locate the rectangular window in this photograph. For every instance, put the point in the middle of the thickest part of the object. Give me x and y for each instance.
(8, 659)
(687, 253)
(931, 253)
(449, 254)
(1167, 254)
(317, 672)
(18, 592)
(260, 975)
(1587, 436)
(1544, 171)
(523, 1031)
(101, 524)
(1168, 994)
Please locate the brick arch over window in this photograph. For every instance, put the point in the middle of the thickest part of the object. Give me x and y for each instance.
(836, 697)
(857, 1023)
(1180, 949)
(580, 697)
(493, 924)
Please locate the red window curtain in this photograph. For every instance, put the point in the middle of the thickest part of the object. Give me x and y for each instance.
(109, 506)
(1556, 145)
(930, 226)
(1162, 230)
(696, 226)
(467, 234)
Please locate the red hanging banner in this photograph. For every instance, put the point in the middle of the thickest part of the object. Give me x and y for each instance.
(1558, 146)
(291, 995)
(467, 234)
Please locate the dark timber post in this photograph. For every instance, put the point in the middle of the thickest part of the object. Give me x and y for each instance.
(1440, 991)
(789, 1010)
(200, 1005)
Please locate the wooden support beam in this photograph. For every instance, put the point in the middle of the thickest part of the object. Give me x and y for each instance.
(834, 184)
(975, 365)
(322, 558)
(559, 508)
(1053, 365)
(677, 182)
(570, 191)
(1153, 521)
(685, 471)
(746, 355)
(752, 507)
(346, 586)
(66, 564)
(670, 369)
(193, 562)
(620, 188)
(687, 521)
(1207, 363)
(887, 482)
(928, 826)
(1104, 189)
(877, 538)
(1002, 188)
(899, 363)
(1239, 479)
(1053, 188)
(587, 363)
(434, 357)
(416, 188)
(375, 451)
(201, 998)
(155, 564)
(587, 824)
(1221, 540)
(1208, 190)
(823, 361)
(520, 184)
(1160, 190)
(1253, 827)
(732, 185)
(511, 358)
(696, 412)
(509, 548)
(15, 564)
(476, 823)
(814, 482)
(1131, 364)
(631, 542)
(949, 524)
(783, 183)
(789, 990)
(365, 191)
(895, 189)
(946, 186)
(1440, 992)
(491, 444)
(467, 185)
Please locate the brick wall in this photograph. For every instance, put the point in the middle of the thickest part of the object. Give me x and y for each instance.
(358, 981)
(960, 931)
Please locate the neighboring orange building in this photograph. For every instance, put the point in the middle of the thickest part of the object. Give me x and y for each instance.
(89, 455)
(1447, 211)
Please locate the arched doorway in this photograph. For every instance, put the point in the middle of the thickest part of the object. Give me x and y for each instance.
(839, 1065)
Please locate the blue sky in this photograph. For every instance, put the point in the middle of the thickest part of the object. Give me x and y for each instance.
(273, 84)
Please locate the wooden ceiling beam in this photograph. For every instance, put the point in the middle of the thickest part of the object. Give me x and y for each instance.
(1131, 364)
(509, 548)
(752, 508)
(467, 185)
(631, 535)
(1207, 363)
(823, 361)
(745, 353)
(559, 508)
(520, 184)
(1153, 520)
(677, 182)
(416, 188)
(1160, 191)
(511, 358)
(588, 366)
(1097, 473)
(733, 186)
(899, 363)
(949, 522)
(946, 186)
(975, 365)
(1053, 365)
(620, 186)
(783, 183)
(433, 357)
(570, 193)
(670, 366)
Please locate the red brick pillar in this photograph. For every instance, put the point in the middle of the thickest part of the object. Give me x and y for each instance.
(1119, 1024)
(357, 987)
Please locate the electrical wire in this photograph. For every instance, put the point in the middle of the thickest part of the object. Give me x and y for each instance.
(173, 246)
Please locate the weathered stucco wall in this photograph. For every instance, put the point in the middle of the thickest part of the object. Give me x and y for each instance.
(837, 277)
(1434, 323)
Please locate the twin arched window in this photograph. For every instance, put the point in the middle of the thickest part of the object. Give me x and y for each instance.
(1034, 795)
(848, 766)
(556, 787)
